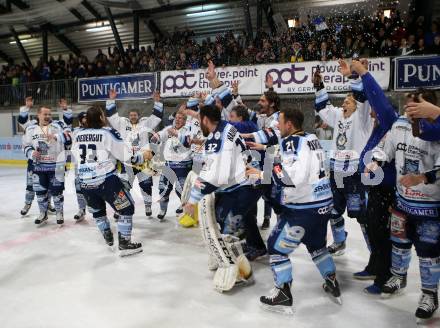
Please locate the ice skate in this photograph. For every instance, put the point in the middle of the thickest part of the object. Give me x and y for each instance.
(253, 254)
(161, 215)
(108, 237)
(25, 209)
(331, 287)
(78, 217)
(179, 210)
(280, 300)
(41, 219)
(60, 219)
(148, 211)
(337, 249)
(394, 286)
(127, 247)
(428, 304)
(51, 210)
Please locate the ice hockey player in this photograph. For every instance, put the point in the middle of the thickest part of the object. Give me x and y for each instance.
(175, 140)
(415, 217)
(25, 121)
(352, 126)
(81, 214)
(96, 150)
(131, 129)
(306, 201)
(223, 172)
(45, 144)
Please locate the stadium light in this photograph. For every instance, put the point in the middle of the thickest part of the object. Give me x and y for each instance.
(291, 22)
(202, 13)
(22, 41)
(98, 28)
(387, 13)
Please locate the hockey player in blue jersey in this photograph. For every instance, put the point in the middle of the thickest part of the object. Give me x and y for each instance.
(415, 218)
(45, 144)
(96, 150)
(306, 201)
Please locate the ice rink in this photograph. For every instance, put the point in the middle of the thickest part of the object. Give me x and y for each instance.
(67, 277)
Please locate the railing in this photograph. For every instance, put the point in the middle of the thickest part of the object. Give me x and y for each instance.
(43, 92)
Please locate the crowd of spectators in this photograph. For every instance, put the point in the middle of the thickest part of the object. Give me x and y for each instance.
(332, 39)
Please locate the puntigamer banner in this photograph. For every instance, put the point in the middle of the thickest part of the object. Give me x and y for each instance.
(288, 78)
(128, 87)
(413, 72)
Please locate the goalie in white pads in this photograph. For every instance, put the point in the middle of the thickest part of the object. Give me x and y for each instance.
(223, 172)
(306, 201)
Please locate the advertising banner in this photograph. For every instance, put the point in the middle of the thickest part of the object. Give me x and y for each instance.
(11, 148)
(288, 78)
(128, 87)
(411, 73)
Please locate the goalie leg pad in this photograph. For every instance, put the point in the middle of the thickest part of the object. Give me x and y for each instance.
(233, 266)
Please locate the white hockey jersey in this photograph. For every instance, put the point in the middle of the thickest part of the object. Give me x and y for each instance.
(301, 171)
(50, 141)
(95, 153)
(350, 135)
(412, 155)
(176, 150)
(137, 135)
(224, 166)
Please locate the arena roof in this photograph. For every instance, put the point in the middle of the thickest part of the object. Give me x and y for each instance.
(74, 19)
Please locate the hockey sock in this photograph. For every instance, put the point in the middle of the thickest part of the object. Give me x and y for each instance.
(29, 198)
(58, 201)
(82, 204)
(164, 205)
(281, 269)
(103, 223)
(324, 262)
(42, 202)
(338, 229)
(429, 272)
(400, 259)
(125, 225)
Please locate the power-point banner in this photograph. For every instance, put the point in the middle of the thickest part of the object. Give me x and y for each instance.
(288, 78)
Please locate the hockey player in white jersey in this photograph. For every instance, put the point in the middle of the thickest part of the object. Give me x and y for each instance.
(131, 129)
(352, 126)
(175, 140)
(306, 202)
(415, 218)
(25, 121)
(96, 150)
(45, 144)
(223, 172)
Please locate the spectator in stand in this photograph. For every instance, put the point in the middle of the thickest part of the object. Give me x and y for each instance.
(429, 36)
(404, 49)
(296, 53)
(435, 47)
(420, 47)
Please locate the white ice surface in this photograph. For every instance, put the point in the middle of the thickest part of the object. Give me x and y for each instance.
(52, 277)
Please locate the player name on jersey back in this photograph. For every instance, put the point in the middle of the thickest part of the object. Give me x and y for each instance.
(89, 137)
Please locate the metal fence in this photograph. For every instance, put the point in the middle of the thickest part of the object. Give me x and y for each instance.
(43, 92)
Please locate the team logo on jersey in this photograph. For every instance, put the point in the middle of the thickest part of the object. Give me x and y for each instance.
(411, 166)
(43, 147)
(121, 201)
(341, 140)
